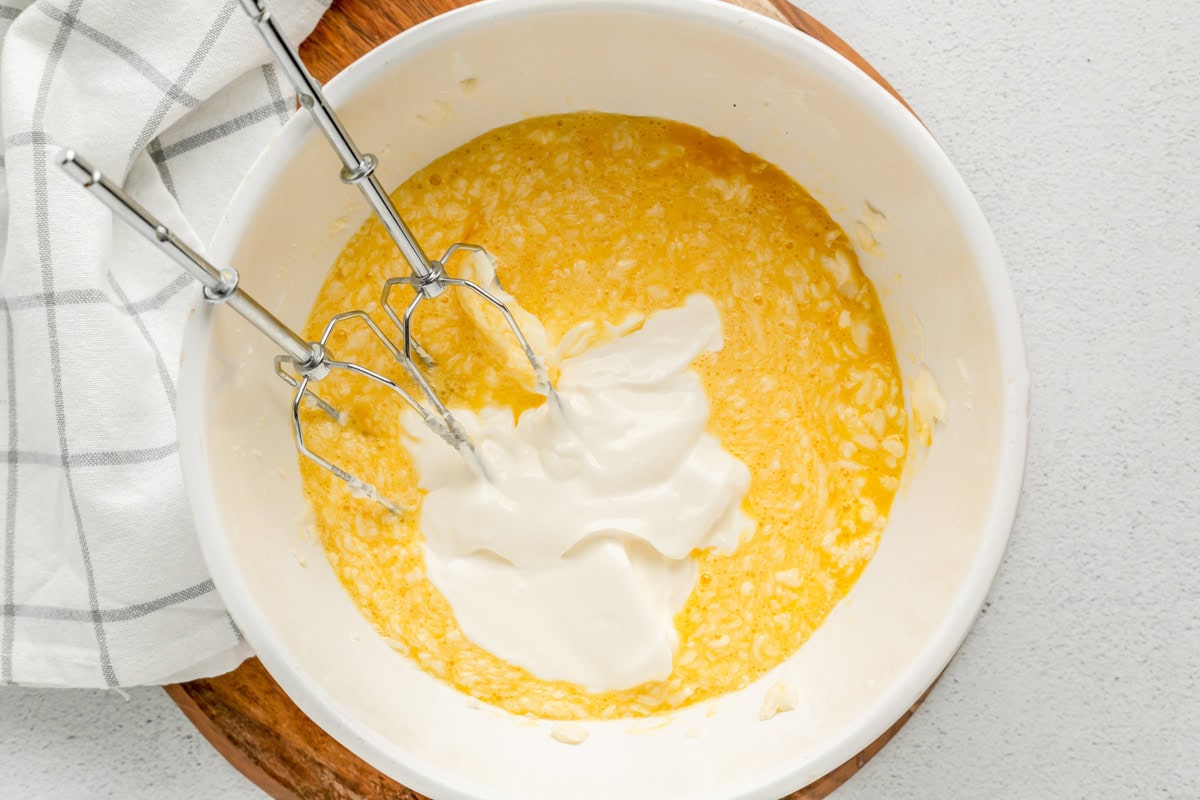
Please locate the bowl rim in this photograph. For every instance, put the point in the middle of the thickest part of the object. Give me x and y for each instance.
(939, 649)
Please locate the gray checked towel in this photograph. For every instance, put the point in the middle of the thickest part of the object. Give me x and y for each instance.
(101, 579)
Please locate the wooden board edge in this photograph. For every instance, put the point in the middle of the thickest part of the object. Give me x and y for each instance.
(229, 750)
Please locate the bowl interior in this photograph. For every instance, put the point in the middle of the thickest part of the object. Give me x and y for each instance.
(772, 91)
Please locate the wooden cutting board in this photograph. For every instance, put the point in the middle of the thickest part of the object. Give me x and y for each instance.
(244, 714)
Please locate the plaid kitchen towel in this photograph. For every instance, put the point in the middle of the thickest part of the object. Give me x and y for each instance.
(101, 580)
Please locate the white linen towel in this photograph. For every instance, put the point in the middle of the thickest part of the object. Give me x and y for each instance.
(101, 579)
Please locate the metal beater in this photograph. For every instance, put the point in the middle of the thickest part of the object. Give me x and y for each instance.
(305, 362)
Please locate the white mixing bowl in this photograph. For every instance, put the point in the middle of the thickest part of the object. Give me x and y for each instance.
(773, 91)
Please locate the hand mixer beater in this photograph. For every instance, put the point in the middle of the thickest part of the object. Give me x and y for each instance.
(304, 363)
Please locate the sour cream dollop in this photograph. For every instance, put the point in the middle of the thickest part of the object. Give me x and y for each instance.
(573, 560)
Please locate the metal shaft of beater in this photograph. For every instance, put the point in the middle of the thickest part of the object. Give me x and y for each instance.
(309, 359)
(358, 168)
(220, 285)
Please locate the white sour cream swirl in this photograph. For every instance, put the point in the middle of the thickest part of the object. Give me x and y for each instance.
(574, 559)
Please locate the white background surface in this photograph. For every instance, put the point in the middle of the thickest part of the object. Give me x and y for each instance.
(1077, 124)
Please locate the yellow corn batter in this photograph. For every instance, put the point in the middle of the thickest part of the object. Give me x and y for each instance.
(596, 217)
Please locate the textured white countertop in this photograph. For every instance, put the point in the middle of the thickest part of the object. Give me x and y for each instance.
(1078, 127)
